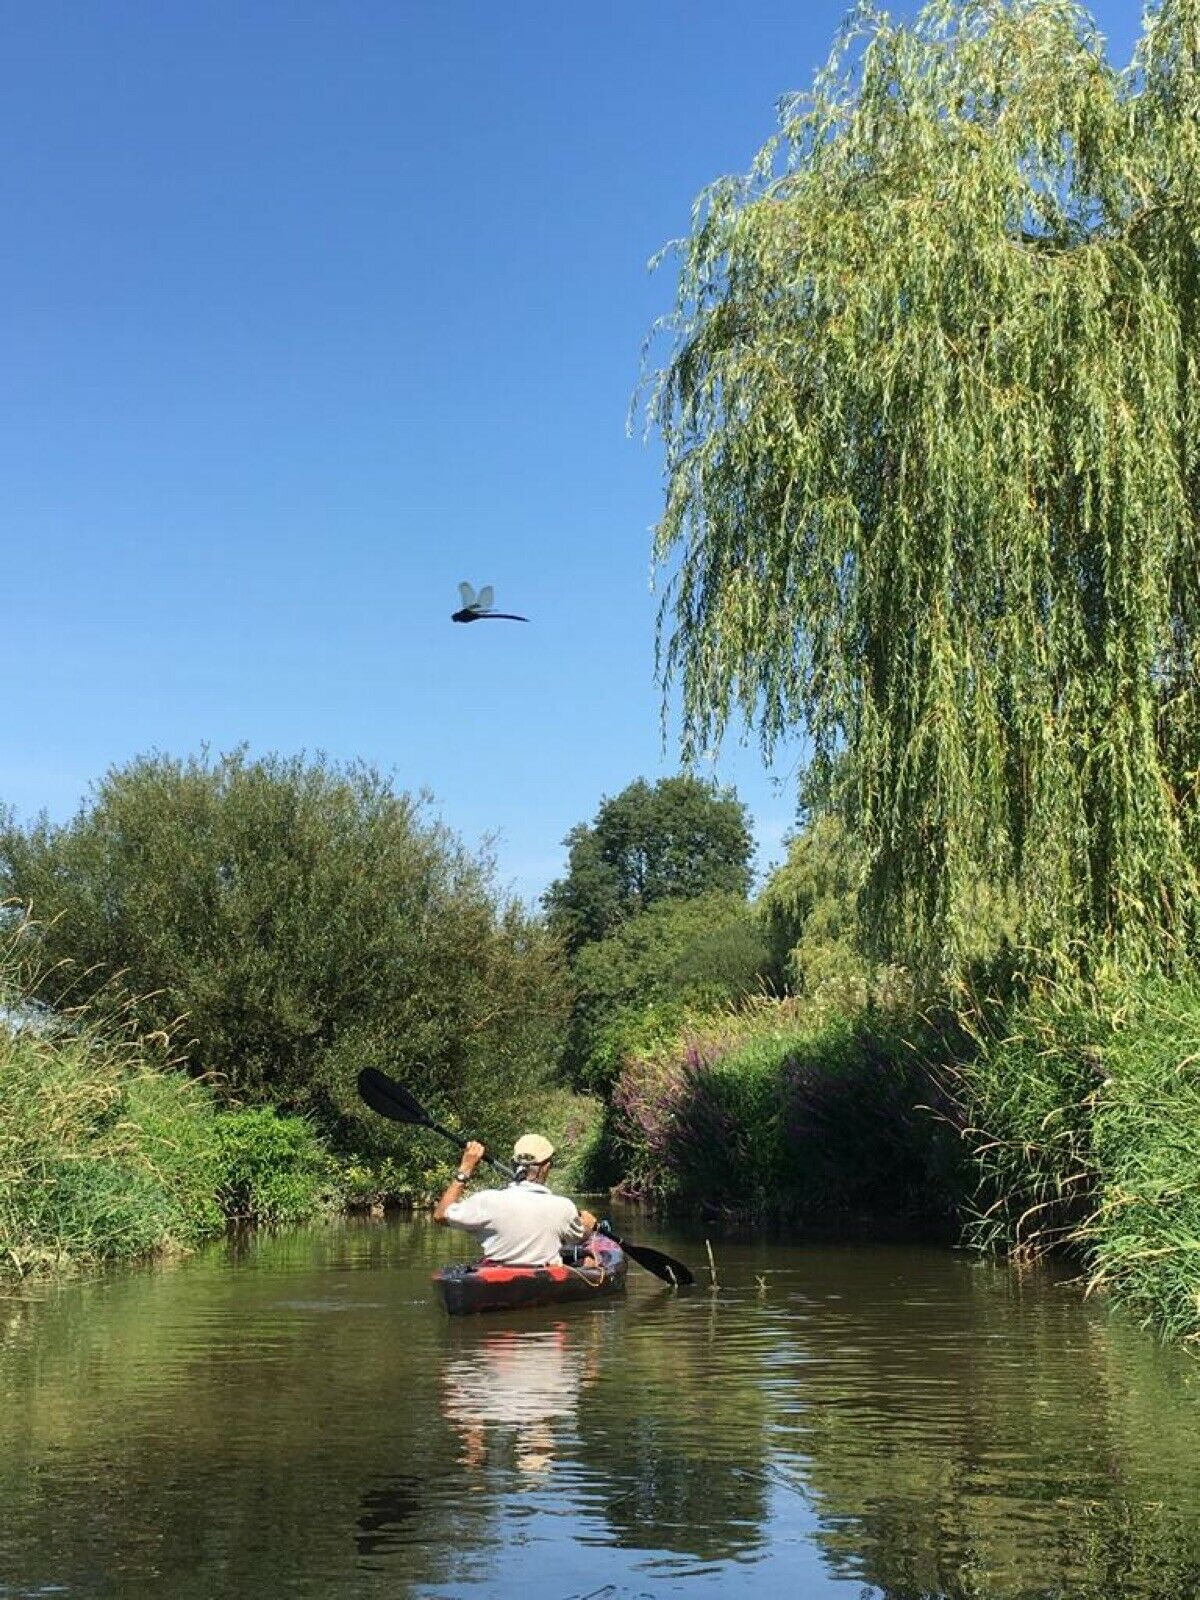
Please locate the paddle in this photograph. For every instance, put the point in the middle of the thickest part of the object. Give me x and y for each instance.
(664, 1267)
(391, 1099)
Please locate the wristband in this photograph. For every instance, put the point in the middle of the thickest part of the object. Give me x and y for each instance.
(462, 1177)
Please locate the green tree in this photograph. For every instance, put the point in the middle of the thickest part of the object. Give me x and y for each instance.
(809, 909)
(290, 922)
(704, 951)
(680, 838)
(931, 424)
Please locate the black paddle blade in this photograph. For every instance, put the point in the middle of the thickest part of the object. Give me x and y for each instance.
(392, 1099)
(662, 1266)
(389, 1098)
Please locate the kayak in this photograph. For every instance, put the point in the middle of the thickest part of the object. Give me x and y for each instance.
(483, 1287)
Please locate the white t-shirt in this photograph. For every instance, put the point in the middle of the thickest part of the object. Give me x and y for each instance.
(524, 1225)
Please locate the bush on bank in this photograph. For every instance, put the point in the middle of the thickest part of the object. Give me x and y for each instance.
(271, 1169)
(782, 1110)
(106, 1154)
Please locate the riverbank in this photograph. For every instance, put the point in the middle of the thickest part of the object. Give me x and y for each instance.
(109, 1151)
(1067, 1121)
(106, 1157)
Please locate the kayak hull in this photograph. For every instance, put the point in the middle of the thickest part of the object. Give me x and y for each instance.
(468, 1290)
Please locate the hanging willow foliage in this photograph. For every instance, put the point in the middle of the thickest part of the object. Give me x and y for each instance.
(933, 484)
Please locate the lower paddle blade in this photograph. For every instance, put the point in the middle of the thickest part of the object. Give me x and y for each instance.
(389, 1098)
(664, 1267)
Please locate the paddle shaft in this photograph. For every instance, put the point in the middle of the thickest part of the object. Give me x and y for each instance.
(457, 1140)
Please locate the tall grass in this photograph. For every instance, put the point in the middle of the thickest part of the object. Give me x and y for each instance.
(1143, 1239)
(101, 1156)
(1081, 1106)
(106, 1153)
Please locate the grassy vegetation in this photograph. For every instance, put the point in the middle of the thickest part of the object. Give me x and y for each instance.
(1081, 1107)
(107, 1154)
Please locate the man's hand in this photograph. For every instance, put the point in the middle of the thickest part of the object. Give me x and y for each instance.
(471, 1157)
(588, 1220)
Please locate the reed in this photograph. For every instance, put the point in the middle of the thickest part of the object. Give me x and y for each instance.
(1143, 1238)
(1081, 1107)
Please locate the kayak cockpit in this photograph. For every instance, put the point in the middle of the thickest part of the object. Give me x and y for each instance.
(596, 1267)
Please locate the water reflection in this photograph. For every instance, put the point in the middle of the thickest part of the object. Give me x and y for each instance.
(387, 1513)
(301, 1417)
(519, 1385)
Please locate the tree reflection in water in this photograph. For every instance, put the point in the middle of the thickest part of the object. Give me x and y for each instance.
(304, 1419)
(388, 1510)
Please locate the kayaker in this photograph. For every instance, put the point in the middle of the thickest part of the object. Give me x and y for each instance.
(523, 1224)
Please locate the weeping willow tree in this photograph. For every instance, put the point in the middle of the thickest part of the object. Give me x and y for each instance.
(930, 414)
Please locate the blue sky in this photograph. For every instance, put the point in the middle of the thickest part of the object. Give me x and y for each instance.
(310, 311)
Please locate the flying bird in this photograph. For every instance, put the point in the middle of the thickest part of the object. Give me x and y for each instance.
(475, 607)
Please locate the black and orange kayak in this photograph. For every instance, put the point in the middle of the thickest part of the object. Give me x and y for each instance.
(597, 1268)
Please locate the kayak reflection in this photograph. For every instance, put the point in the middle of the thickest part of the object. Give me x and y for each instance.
(518, 1387)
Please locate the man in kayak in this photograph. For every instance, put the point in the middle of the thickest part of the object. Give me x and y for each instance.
(522, 1225)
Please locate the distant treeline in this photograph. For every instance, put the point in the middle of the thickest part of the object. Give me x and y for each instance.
(196, 967)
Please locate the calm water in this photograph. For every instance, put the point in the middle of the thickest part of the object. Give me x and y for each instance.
(295, 1415)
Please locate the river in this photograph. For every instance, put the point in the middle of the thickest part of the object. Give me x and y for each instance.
(294, 1414)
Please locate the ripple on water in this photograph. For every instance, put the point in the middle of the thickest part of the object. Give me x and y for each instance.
(297, 1416)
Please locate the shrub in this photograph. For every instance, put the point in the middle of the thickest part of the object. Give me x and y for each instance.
(295, 921)
(770, 1110)
(272, 1168)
